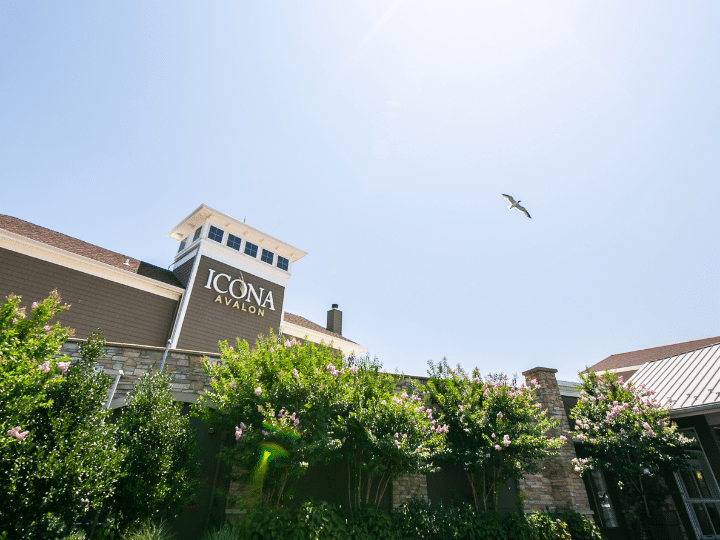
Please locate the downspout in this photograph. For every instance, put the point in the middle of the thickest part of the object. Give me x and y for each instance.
(112, 392)
(167, 348)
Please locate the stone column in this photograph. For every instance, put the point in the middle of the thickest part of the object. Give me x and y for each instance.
(557, 486)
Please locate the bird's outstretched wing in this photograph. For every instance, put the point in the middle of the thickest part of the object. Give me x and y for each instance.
(522, 209)
(509, 198)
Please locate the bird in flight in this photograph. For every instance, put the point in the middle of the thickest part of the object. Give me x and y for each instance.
(514, 204)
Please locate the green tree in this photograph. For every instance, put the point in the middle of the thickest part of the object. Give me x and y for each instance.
(496, 431)
(628, 434)
(58, 457)
(159, 469)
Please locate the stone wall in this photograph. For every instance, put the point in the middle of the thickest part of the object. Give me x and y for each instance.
(188, 380)
(557, 486)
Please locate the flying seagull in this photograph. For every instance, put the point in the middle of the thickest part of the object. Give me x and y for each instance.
(514, 204)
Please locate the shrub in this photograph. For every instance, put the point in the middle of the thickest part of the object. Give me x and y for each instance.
(548, 527)
(226, 532)
(579, 527)
(150, 531)
(416, 520)
(58, 457)
(159, 469)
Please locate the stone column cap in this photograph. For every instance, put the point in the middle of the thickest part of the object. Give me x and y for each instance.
(535, 369)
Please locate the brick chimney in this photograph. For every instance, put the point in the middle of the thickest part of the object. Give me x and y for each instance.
(334, 320)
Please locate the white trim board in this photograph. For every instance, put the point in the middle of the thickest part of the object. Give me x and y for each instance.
(347, 347)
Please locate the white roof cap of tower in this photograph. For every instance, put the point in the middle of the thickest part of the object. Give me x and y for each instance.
(204, 213)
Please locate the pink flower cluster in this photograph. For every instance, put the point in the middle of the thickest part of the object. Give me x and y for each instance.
(15, 432)
(289, 343)
(45, 366)
(581, 463)
(335, 372)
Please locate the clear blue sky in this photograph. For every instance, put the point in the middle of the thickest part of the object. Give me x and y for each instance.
(378, 136)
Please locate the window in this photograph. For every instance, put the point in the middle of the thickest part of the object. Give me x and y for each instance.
(603, 505)
(267, 256)
(234, 242)
(216, 234)
(197, 233)
(282, 263)
(182, 244)
(701, 494)
(251, 249)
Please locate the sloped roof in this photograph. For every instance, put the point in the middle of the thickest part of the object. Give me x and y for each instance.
(636, 358)
(302, 321)
(84, 249)
(688, 380)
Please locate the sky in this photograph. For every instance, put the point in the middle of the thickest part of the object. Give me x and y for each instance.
(379, 136)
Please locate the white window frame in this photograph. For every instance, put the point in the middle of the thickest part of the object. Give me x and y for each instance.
(712, 483)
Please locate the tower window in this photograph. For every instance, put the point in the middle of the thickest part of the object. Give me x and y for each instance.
(197, 233)
(234, 242)
(267, 256)
(216, 234)
(282, 263)
(251, 249)
(182, 244)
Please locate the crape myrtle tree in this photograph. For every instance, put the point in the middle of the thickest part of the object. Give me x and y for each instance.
(385, 435)
(496, 431)
(291, 405)
(626, 432)
(58, 457)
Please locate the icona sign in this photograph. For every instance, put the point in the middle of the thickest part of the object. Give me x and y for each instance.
(239, 292)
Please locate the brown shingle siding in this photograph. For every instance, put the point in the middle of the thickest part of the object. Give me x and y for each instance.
(125, 314)
(206, 322)
(84, 249)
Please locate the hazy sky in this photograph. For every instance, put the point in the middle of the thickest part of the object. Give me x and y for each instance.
(378, 136)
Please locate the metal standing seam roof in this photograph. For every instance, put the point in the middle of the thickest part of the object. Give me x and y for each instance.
(690, 379)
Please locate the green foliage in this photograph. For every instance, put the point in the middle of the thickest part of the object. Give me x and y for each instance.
(416, 520)
(159, 471)
(627, 433)
(226, 532)
(292, 405)
(579, 527)
(547, 527)
(496, 432)
(58, 457)
(150, 531)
